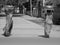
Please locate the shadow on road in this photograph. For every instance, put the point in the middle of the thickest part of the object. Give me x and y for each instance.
(43, 36)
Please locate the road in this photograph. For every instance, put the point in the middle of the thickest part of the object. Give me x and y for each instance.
(22, 28)
(25, 32)
(25, 28)
(29, 41)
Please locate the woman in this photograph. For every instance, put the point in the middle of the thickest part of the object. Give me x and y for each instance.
(47, 26)
(9, 22)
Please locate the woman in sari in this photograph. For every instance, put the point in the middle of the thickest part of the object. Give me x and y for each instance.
(9, 22)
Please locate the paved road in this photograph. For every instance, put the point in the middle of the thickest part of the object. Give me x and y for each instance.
(29, 41)
(25, 28)
(25, 32)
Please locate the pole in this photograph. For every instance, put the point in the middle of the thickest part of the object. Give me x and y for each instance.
(31, 7)
(43, 2)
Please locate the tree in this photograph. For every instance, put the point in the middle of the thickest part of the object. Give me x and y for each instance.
(15, 2)
(55, 2)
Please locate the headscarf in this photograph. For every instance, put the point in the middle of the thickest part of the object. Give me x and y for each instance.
(9, 10)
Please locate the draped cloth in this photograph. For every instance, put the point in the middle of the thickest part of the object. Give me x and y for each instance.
(49, 19)
(9, 24)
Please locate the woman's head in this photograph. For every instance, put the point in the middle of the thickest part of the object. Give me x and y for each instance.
(8, 11)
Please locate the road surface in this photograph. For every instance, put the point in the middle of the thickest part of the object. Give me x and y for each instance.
(25, 32)
(25, 28)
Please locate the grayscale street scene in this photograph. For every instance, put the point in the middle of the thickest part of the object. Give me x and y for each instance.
(30, 22)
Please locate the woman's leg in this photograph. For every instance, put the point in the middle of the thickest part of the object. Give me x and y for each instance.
(8, 29)
(6, 33)
(11, 26)
(47, 29)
